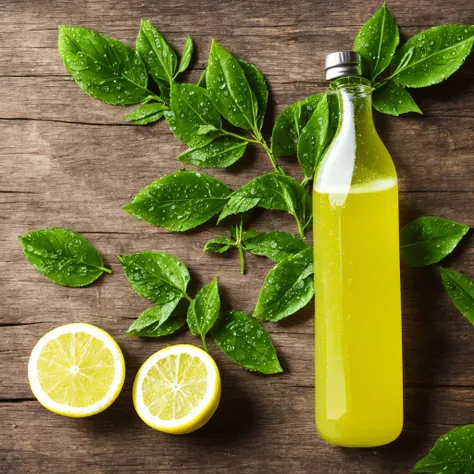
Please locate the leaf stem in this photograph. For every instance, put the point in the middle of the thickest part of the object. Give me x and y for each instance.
(258, 136)
(203, 339)
(242, 259)
(240, 137)
(187, 297)
(99, 267)
(300, 228)
(259, 140)
(305, 181)
(379, 84)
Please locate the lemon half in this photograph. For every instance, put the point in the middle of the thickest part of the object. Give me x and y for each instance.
(76, 370)
(177, 389)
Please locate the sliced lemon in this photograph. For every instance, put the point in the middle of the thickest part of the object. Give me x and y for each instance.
(76, 370)
(177, 389)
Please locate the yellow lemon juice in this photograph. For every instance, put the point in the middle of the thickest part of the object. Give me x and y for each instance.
(358, 325)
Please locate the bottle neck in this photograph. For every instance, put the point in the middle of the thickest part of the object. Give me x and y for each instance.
(356, 132)
(355, 102)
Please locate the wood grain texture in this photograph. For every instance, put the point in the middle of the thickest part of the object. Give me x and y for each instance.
(68, 160)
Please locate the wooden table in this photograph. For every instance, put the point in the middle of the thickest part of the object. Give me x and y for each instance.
(70, 161)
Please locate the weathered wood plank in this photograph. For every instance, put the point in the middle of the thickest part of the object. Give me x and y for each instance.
(438, 348)
(431, 154)
(263, 34)
(60, 99)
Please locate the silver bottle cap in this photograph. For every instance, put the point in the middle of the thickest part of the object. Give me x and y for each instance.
(343, 63)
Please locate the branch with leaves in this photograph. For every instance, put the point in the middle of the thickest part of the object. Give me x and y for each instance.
(224, 113)
(163, 279)
(275, 245)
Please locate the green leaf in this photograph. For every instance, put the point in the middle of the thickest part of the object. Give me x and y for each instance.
(453, 453)
(259, 87)
(221, 153)
(187, 54)
(219, 245)
(428, 240)
(158, 321)
(377, 41)
(393, 99)
(192, 109)
(155, 51)
(432, 55)
(147, 113)
(274, 245)
(154, 316)
(103, 67)
(245, 342)
(170, 326)
(230, 90)
(165, 91)
(179, 201)
(202, 80)
(245, 234)
(207, 130)
(290, 124)
(223, 244)
(317, 134)
(461, 291)
(63, 256)
(288, 287)
(204, 310)
(156, 276)
(271, 191)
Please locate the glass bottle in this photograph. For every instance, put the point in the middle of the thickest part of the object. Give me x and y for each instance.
(358, 350)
